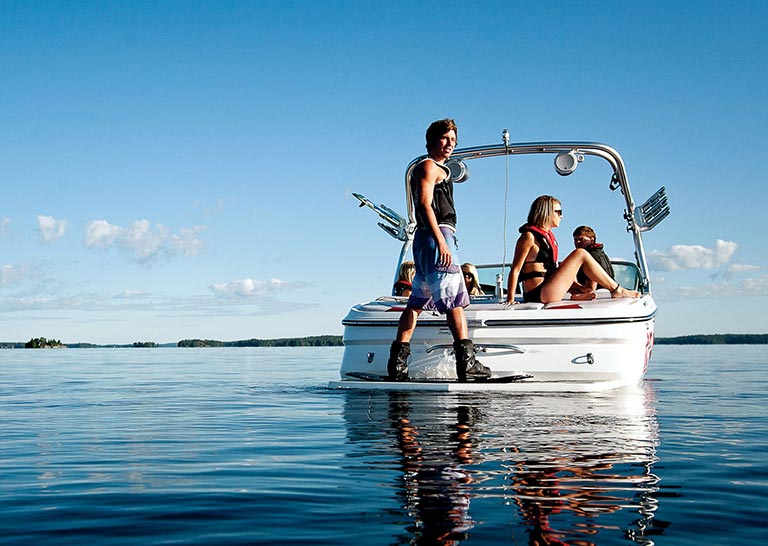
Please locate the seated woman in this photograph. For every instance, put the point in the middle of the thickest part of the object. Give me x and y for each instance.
(404, 280)
(470, 279)
(535, 262)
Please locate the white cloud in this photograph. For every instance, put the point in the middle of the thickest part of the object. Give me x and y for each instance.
(142, 242)
(751, 288)
(32, 278)
(187, 242)
(4, 221)
(692, 256)
(12, 274)
(50, 228)
(247, 288)
(743, 268)
(755, 287)
(101, 234)
(130, 294)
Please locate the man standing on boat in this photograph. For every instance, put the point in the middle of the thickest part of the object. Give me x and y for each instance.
(438, 284)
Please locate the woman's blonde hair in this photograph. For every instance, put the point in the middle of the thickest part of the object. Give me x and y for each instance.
(474, 286)
(404, 279)
(542, 209)
(407, 271)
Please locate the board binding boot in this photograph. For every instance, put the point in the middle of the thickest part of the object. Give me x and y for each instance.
(467, 367)
(397, 365)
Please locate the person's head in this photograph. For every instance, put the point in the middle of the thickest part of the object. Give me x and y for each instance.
(584, 237)
(439, 129)
(404, 281)
(469, 271)
(407, 271)
(546, 212)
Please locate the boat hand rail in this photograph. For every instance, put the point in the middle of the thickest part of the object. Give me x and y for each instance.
(480, 347)
(619, 180)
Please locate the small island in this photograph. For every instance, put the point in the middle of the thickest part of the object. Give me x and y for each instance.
(42, 343)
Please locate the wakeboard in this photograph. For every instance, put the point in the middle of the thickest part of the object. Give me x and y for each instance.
(365, 376)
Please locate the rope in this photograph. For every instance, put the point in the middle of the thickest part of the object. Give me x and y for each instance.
(506, 195)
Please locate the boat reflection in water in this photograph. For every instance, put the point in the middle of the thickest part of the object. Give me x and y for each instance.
(539, 469)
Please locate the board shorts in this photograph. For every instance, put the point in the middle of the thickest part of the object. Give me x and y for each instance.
(436, 288)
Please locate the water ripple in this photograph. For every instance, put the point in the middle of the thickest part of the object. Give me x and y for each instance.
(248, 446)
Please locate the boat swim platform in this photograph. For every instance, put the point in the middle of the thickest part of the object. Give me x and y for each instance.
(479, 386)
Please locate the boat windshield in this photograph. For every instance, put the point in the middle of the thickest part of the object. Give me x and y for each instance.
(626, 273)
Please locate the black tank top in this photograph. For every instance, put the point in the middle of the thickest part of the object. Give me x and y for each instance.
(442, 200)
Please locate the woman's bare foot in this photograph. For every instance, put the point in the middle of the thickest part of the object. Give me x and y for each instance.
(583, 296)
(621, 292)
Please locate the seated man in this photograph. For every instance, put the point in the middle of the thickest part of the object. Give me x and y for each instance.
(585, 237)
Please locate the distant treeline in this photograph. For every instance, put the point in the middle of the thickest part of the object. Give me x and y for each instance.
(43, 343)
(715, 339)
(135, 344)
(335, 341)
(312, 341)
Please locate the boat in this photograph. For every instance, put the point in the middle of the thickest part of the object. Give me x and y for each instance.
(568, 345)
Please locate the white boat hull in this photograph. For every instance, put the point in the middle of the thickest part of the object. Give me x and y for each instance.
(559, 345)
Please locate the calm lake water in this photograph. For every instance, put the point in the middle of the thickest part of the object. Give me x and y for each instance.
(249, 446)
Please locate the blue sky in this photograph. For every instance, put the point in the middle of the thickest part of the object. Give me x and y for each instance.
(176, 170)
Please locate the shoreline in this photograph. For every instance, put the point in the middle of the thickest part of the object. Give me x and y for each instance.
(336, 341)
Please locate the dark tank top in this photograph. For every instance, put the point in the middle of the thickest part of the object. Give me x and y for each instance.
(442, 200)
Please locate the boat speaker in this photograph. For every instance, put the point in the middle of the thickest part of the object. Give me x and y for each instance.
(566, 162)
(459, 171)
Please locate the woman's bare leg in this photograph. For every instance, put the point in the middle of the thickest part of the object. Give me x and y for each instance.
(558, 284)
(596, 273)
